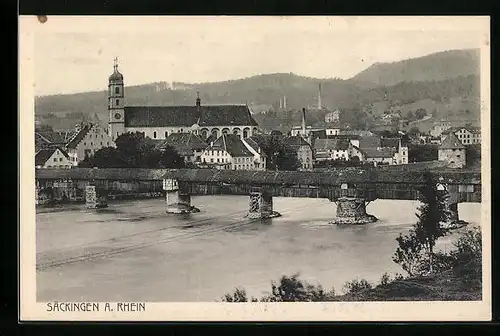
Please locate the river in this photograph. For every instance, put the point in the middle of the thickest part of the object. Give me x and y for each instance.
(136, 252)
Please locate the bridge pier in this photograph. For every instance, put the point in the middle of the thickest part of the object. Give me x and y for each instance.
(261, 206)
(352, 210)
(454, 221)
(178, 202)
(95, 198)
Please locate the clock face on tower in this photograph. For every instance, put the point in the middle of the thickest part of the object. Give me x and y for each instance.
(118, 115)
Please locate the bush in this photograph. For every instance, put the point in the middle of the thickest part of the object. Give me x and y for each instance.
(385, 279)
(239, 295)
(288, 289)
(356, 286)
(467, 258)
(409, 253)
(291, 289)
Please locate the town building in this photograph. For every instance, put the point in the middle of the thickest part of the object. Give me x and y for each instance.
(87, 139)
(54, 157)
(452, 151)
(467, 135)
(260, 158)
(303, 150)
(439, 127)
(158, 122)
(83, 141)
(401, 154)
(380, 155)
(229, 151)
(188, 145)
(336, 149)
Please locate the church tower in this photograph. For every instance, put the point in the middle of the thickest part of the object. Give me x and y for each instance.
(116, 103)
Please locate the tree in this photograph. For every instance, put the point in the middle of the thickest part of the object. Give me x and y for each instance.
(426, 231)
(279, 156)
(286, 159)
(134, 150)
(414, 130)
(129, 145)
(420, 113)
(356, 286)
(410, 115)
(169, 158)
(422, 152)
(408, 253)
(431, 214)
(106, 157)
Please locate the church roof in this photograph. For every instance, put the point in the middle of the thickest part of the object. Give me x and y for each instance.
(177, 116)
(116, 76)
(451, 142)
(232, 144)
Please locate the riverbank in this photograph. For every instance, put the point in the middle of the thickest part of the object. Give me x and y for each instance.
(446, 286)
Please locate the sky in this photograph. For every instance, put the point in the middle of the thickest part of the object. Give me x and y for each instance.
(76, 54)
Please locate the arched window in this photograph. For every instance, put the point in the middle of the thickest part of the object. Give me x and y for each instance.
(166, 134)
(117, 102)
(245, 134)
(154, 135)
(117, 90)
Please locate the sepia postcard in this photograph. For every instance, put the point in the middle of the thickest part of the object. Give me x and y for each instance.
(233, 168)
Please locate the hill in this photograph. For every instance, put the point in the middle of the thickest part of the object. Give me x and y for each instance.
(264, 92)
(433, 67)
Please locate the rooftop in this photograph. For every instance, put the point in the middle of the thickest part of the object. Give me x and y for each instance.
(186, 116)
(184, 143)
(295, 141)
(232, 144)
(451, 142)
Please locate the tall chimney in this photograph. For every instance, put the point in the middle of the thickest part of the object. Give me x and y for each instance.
(284, 102)
(304, 121)
(281, 104)
(319, 97)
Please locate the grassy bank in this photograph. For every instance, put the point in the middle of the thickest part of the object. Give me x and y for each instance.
(445, 286)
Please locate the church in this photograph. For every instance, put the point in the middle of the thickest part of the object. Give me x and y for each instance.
(158, 122)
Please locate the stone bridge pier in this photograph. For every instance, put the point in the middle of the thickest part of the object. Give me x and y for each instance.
(177, 201)
(451, 202)
(261, 206)
(95, 197)
(352, 210)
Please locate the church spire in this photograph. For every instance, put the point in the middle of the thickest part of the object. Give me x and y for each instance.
(198, 100)
(115, 65)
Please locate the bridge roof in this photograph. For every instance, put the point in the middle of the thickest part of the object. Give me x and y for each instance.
(101, 174)
(335, 177)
